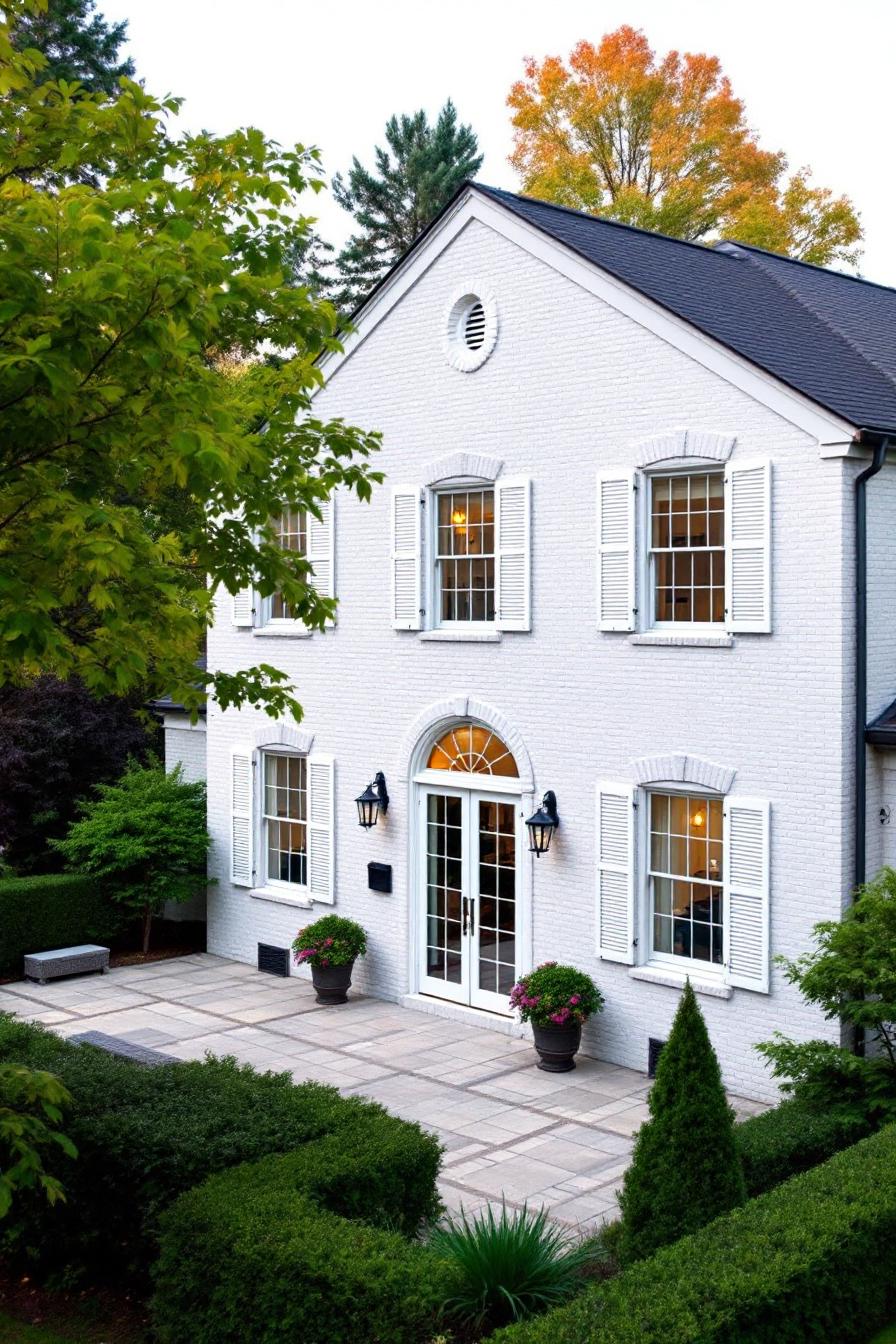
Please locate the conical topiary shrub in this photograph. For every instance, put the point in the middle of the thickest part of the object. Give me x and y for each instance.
(685, 1168)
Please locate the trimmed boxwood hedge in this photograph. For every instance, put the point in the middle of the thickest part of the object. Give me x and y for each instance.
(145, 1135)
(40, 913)
(260, 1254)
(791, 1138)
(814, 1259)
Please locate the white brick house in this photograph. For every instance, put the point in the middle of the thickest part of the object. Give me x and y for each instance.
(614, 558)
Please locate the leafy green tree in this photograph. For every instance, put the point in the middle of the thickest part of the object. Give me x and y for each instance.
(121, 306)
(685, 1169)
(76, 42)
(31, 1109)
(415, 175)
(146, 837)
(851, 977)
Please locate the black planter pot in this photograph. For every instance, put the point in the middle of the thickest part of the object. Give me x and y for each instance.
(557, 1046)
(332, 983)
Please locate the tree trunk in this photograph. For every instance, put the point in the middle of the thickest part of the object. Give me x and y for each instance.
(147, 926)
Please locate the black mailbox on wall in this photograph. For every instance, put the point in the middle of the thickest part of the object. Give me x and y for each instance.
(379, 876)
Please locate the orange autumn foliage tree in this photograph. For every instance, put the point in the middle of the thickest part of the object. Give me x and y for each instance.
(665, 145)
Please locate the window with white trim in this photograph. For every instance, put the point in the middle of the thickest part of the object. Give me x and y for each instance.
(684, 878)
(461, 555)
(291, 533)
(284, 819)
(687, 548)
(465, 556)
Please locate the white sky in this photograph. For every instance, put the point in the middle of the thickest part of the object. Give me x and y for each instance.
(817, 77)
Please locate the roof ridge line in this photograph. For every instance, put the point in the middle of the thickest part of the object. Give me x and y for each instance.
(598, 219)
(810, 265)
(819, 317)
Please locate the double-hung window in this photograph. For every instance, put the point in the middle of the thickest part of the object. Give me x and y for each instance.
(683, 881)
(687, 548)
(285, 819)
(685, 552)
(465, 556)
(685, 878)
(461, 555)
(302, 533)
(291, 533)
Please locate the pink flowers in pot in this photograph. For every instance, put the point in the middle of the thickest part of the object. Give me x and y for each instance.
(555, 995)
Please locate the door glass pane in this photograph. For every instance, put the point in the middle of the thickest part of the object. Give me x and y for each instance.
(497, 918)
(444, 840)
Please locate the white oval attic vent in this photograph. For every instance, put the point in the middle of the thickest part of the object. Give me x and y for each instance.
(471, 327)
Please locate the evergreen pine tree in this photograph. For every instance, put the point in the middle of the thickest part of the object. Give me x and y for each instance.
(685, 1169)
(415, 176)
(78, 43)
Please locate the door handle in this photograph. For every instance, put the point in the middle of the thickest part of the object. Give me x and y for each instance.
(468, 914)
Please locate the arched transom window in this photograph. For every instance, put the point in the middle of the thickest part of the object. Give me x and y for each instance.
(474, 750)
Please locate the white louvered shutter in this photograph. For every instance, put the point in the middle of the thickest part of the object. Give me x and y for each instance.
(748, 606)
(616, 551)
(746, 878)
(242, 785)
(615, 872)
(321, 840)
(321, 549)
(407, 531)
(241, 608)
(512, 553)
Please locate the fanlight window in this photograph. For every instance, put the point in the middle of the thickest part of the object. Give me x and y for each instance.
(474, 750)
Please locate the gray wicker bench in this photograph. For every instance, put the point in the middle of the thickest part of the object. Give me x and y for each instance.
(44, 966)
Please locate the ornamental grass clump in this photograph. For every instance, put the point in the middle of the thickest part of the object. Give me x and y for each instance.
(511, 1266)
(330, 941)
(685, 1168)
(555, 995)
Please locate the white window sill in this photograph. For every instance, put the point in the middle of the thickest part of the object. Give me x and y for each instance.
(663, 639)
(461, 636)
(282, 631)
(281, 897)
(714, 989)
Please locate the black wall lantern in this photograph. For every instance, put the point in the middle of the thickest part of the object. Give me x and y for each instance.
(372, 801)
(543, 823)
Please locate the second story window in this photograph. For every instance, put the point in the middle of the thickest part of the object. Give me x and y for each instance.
(465, 556)
(291, 533)
(687, 548)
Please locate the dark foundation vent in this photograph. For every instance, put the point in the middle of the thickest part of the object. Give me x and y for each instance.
(274, 960)
(654, 1050)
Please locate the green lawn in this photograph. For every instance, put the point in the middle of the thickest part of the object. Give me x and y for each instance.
(17, 1332)
(887, 1336)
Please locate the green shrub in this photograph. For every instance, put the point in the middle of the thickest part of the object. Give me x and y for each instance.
(260, 1254)
(553, 995)
(792, 1138)
(54, 910)
(851, 977)
(815, 1259)
(146, 1135)
(331, 940)
(510, 1266)
(685, 1169)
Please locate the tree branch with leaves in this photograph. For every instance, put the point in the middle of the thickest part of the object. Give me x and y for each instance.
(118, 298)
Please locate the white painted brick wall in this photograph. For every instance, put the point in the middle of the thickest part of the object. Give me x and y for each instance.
(571, 389)
(185, 746)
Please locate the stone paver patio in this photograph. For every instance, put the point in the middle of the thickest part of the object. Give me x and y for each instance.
(510, 1131)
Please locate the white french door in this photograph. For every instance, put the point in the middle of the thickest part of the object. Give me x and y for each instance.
(468, 890)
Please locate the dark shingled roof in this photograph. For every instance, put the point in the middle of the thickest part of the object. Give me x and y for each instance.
(166, 704)
(828, 335)
(882, 730)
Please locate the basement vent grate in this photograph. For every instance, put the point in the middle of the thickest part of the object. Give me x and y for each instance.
(654, 1050)
(273, 960)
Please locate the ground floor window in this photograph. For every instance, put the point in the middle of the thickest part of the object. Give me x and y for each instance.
(284, 818)
(685, 877)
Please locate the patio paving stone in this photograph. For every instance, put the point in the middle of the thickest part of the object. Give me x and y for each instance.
(511, 1133)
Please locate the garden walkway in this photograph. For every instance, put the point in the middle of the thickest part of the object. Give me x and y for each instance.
(511, 1131)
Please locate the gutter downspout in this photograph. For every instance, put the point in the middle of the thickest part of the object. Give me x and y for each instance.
(861, 673)
(861, 709)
